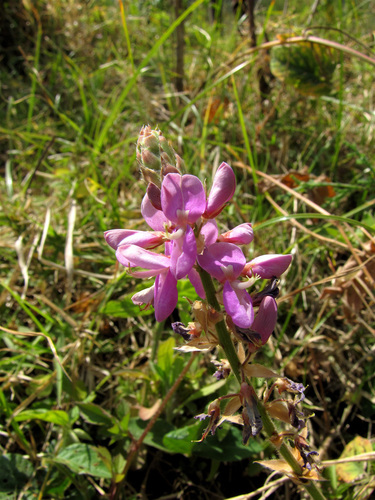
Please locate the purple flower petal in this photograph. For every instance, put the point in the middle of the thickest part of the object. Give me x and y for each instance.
(238, 305)
(222, 191)
(154, 218)
(154, 195)
(144, 239)
(210, 232)
(196, 281)
(144, 297)
(183, 254)
(145, 274)
(183, 198)
(265, 320)
(268, 266)
(139, 257)
(165, 296)
(217, 258)
(240, 235)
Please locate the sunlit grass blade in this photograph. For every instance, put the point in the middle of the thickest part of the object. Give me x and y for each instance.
(245, 136)
(121, 98)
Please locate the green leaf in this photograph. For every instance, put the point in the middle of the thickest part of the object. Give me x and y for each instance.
(205, 391)
(185, 291)
(155, 436)
(124, 308)
(7, 480)
(15, 472)
(352, 470)
(84, 459)
(57, 417)
(37, 382)
(228, 449)
(180, 440)
(59, 488)
(94, 414)
(165, 354)
(76, 389)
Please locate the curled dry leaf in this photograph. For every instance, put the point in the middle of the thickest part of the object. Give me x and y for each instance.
(319, 187)
(282, 467)
(354, 287)
(260, 371)
(147, 413)
(232, 406)
(196, 345)
(278, 409)
(216, 109)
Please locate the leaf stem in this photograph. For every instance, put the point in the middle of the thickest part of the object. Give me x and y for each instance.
(221, 329)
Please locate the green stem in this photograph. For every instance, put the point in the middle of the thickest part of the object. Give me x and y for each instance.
(231, 355)
(221, 329)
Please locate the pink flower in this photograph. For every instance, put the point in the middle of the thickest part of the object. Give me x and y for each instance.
(240, 235)
(267, 266)
(183, 199)
(265, 319)
(154, 217)
(222, 191)
(225, 262)
(165, 289)
(184, 221)
(143, 239)
(183, 252)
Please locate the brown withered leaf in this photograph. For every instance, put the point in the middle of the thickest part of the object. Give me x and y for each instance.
(278, 409)
(196, 345)
(215, 109)
(281, 466)
(233, 405)
(86, 302)
(293, 178)
(260, 371)
(317, 193)
(147, 413)
(354, 286)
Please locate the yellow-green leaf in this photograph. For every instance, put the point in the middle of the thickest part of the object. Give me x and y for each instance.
(350, 471)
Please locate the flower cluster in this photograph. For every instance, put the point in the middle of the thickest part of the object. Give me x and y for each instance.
(182, 221)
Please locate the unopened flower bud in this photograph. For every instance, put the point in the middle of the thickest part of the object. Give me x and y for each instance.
(180, 164)
(153, 192)
(222, 191)
(267, 266)
(148, 154)
(169, 154)
(155, 156)
(239, 235)
(168, 169)
(151, 160)
(265, 320)
(150, 176)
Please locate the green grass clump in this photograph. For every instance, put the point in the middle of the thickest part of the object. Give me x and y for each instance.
(79, 362)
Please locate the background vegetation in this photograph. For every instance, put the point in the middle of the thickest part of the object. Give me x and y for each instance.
(79, 363)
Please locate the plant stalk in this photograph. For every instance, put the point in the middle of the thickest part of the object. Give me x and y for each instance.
(231, 355)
